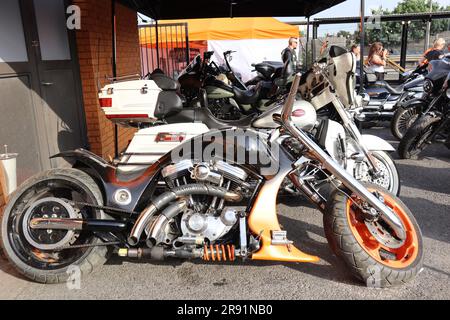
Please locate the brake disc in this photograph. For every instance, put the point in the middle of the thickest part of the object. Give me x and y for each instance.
(382, 235)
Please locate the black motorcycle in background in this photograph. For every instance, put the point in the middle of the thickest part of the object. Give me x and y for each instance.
(434, 124)
(409, 111)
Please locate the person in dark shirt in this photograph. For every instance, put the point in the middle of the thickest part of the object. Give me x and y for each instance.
(290, 51)
(434, 53)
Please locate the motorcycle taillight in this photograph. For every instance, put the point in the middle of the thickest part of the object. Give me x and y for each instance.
(105, 102)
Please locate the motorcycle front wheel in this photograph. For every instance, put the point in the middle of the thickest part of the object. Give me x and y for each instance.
(403, 119)
(416, 138)
(370, 249)
(388, 177)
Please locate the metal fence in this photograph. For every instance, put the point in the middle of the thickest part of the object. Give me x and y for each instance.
(165, 47)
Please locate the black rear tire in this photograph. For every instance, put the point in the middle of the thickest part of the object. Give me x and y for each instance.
(90, 258)
(412, 142)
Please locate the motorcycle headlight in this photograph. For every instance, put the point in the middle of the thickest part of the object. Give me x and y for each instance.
(428, 86)
(448, 93)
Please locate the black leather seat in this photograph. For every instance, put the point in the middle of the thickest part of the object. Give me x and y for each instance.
(164, 82)
(397, 90)
(247, 96)
(205, 116)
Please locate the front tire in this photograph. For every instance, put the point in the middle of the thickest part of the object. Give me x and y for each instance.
(403, 120)
(414, 140)
(369, 260)
(51, 266)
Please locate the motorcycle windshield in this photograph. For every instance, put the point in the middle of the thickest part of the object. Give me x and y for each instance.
(192, 66)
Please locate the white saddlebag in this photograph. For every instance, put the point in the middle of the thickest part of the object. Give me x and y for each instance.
(129, 102)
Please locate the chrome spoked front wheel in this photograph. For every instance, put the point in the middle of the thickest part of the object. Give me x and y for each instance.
(387, 176)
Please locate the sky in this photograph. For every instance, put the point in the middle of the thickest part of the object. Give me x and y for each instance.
(351, 8)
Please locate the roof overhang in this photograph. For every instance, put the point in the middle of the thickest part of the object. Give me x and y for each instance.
(182, 9)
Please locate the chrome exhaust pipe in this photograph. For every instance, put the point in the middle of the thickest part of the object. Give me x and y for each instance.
(163, 200)
(156, 232)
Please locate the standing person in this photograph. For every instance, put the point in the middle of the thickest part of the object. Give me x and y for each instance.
(434, 53)
(290, 53)
(356, 51)
(377, 59)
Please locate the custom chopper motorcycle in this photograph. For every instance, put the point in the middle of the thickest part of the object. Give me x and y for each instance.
(138, 103)
(411, 110)
(431, 126)
(63, 218)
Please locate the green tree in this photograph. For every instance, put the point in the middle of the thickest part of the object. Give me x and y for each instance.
(390, 32)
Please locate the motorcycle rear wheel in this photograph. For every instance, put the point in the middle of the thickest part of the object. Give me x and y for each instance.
(51, 265)
(356, 243)
(414, 140)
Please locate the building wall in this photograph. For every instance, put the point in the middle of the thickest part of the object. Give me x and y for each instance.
(94, 42)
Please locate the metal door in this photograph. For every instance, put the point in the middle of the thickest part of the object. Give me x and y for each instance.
(40, 97)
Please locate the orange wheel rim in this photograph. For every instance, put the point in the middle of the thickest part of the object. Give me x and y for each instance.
(405, 254)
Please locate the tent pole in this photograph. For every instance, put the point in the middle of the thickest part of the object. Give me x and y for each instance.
(114, 68)
(307, 43)
(157, 42)
(187, 43)
(361, 43)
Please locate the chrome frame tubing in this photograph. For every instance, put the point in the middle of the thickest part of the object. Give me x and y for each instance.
(386, 214)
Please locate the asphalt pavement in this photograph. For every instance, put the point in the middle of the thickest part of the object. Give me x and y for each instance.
(425, 189)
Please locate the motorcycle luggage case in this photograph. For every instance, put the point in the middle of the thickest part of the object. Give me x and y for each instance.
(138, 101)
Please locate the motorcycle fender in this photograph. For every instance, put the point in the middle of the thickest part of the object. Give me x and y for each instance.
(374, 143)
(412, 103)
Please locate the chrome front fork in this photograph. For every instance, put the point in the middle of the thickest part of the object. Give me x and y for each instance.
(349, 181)
(351, 128)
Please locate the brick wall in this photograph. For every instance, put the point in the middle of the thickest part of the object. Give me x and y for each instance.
(94, 42)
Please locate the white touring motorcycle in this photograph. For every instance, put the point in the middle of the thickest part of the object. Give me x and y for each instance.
(325, 105)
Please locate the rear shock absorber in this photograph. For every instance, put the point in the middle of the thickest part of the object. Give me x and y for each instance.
(218, 252)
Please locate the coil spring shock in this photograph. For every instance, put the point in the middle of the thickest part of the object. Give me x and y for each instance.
(218, 252)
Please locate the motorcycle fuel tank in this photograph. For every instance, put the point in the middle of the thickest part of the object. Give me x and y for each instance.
(303, 115)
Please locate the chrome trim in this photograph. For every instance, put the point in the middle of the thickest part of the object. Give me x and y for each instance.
(56, 223)
(141, 222)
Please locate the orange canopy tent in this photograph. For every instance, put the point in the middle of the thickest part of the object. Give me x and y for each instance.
(223, 29)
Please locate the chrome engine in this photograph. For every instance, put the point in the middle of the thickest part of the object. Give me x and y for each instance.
(208, 226)
(205, 222)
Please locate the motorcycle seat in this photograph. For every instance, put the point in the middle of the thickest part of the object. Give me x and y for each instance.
(164, 82)
(205, 116)
(247, 96)
(397, 90)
